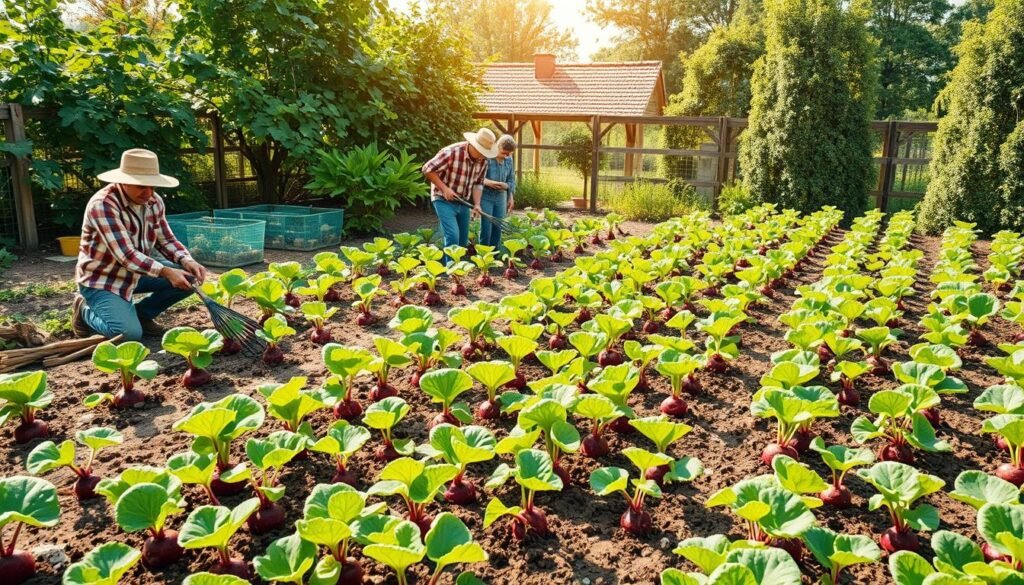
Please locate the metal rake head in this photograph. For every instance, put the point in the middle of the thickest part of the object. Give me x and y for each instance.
(234, 326)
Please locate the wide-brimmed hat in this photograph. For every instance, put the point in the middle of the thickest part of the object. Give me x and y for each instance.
(139, 167)
(483, 140)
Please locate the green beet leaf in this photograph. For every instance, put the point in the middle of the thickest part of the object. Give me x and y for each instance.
(197, 348)
(450, 542)
(286, 560)
(28, 500)
(103, 565)
(146, 506)
(213, 526)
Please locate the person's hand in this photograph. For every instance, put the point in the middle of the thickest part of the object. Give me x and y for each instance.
(195, 269)
(448, 194)
(177, 277)
(511, 204)
(477, 211)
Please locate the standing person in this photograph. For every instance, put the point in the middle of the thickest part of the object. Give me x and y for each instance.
(498, 196)
(456, 174)
(124, 227)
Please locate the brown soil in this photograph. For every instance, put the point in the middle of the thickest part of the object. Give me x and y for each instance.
(586, 541)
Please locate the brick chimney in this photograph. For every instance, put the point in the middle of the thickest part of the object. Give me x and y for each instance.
(543, 65)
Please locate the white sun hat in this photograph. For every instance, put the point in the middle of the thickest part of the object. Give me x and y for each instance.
(139, 167)
(483, 140)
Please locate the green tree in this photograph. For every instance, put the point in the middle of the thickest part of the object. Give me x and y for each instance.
(912, 58)
(808, 142)
(976, 173)
(950, 32)
(509, 31)
(579, 157)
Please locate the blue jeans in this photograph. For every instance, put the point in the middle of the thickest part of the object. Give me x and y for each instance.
(493, 204)
(454, 219)
(109, 315)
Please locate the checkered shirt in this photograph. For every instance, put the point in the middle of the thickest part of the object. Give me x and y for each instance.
(457, 169)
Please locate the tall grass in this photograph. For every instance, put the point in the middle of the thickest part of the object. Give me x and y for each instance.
(645, 201)
(542, 192)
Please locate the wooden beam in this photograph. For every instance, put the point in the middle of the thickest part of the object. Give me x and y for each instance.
(220, 189)
(607, 129)
(538, 137)
(721, 165)
(24, 206)
(889, 146)
(630, 143)
(595, 159)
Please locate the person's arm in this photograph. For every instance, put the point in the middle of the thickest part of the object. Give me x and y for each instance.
(118, 241)
(171, 247)
(430, 171)
(478, 192)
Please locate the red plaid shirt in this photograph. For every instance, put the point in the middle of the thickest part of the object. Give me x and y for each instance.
(118, 241)
(457, 169)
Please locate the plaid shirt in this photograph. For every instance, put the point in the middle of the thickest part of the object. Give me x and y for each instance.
(118, 241)
(457, 169)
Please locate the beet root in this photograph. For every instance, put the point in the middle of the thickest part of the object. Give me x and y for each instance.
(621, 426)
(346, 476)
(991, 554)
(382, 391)
(933, 415)
(563, 475)
(348, 409)
(773, 450)
(536, 520)
(462, 493)
(657, 474)
(837, 497)
(674, 406)
(609, 357)
(717, 364)
(163, 551)
(321, 336)
(1001, 443)
(85, 487)
(557, 342)
(519, 383)
(423, 522)
(351, 573)
(879, 365)
(385, 452)
(431, 298)
(128, 398)
(366, 319)
(235, 566)
(28, 431)
(485, 280)
(848, 396)
(825, 353)
(901, 453)
(650, 326)
(444, 418)
(459, 290)
(488, 410)
(636, 522)
(692, 386)
(802, 440)
(595, 446)
(18, 567)
(894, 540)
(195, 377)
(793, 546)
(223, 488)
(1011, 473)
(267, 517)
(230, 347)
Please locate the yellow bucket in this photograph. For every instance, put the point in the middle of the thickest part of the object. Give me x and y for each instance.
(69, 245)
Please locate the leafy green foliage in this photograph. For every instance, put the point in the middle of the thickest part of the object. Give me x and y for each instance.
(103, 565)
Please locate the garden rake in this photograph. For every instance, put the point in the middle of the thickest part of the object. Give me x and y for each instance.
(233, 325)
(502, 224)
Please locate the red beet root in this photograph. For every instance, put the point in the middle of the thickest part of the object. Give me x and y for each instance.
(18, 567)
(266, 518)
(563, 475)
(650, 326)
(345, 476)
(462, 493)
(488, 410)
(991, 554)
(380, 392)
(348, 410)
(825, 354)
(594, 446)
(485, 280)
(235, 566)
(423, 522)
(320, 336)
(431, 298)
(674, 406)
(879, 365)
(537, 264)
(230, 347)
(469, 351)
(716, 363)
(557, 342)
(933, 416)
(511, 273)
(793, 546)
(976, 338)
(893, 540)
(444, 418)
(519, 383)
(351, 573)
(223, 488)
(609, 357)
(901, 453)
(28, 431)
(292, 300)
(1011, 473)
(273, 355)
(848, 396)
(333, 295)
(802, 440)
(385, 452)
(836, 497)
(621, 426)
(195, 377)
(536, 520)
(692, 386)
(583, 316)
(163, 551)
(367, 319)
(636, 522)
(657, 474)
(1001, 443)
(85, 487)
(459, 290)
(774, 449)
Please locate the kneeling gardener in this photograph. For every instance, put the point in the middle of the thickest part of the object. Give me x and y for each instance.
(124, 225)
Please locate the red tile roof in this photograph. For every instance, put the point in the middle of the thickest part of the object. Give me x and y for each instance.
(613, 89)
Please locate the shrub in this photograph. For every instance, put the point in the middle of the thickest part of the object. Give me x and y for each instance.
(645, 201)
(579, 157)
(735, 198)
(540, 193)
(372, 182)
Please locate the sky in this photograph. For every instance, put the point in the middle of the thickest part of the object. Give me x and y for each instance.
(568, 14)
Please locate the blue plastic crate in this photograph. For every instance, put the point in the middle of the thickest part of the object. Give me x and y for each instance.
(294, 227)
(226, 242)
(177, 223)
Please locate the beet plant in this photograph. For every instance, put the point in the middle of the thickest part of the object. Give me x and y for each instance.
(642, 356)
(321, 288)
(663, 432)
(215, 425)
(652, 307)
(331, 516)
(534, 472)
(146, 507)
(360, 261)
(383, 416)
(1010, 366)
(456, 272)
(556, 361)
(329, 264)
(605, 481)
(958, 560)
(412, 319)
(612, 328)
(559, 435)
(773, 514)
(899, 421)
(444, 386)
(197, 349)
(933, 377)
(557, 324)
(112, 488)
(291, 275)
(518, 348)
(105, 564)
(999, 525)
(398, 547)
(341, 441)
(129, 360)
(190, 467)
(836, 552)
(48, 456)
(877, 339)
(787, 374)
(846, 373)
(23, 395)
(492, 375)
(841, 460)
(366, 289)
(679, 368)
(291, 403)
(617, 383)
(882, 311)
(268, 457)
(427, 275)
(270, 295)
(721, 561)
(405, 282)
(973, 311)
(899, 487)
(431, 348)
(450, 542)
(460, 447)
(286, 560)
(318, 313)
(1010, 429)
(345, 363)
(793, 410)
(416, 483)
(390, 354)
(275, 329)
(383, 251)
(476, 320)
(601, 412)
(720, 346)
(513, 264)
(213, 527)
(24, 501)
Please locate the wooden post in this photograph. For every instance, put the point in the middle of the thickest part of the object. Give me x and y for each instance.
(630, 143)
(595, 158)
(722, 162)
(219, 176)
(519, 159)
(889, 145)
(538, 139)
(14, 131)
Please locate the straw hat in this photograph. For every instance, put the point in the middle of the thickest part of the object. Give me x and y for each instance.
(139, 167)
(484, 141)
